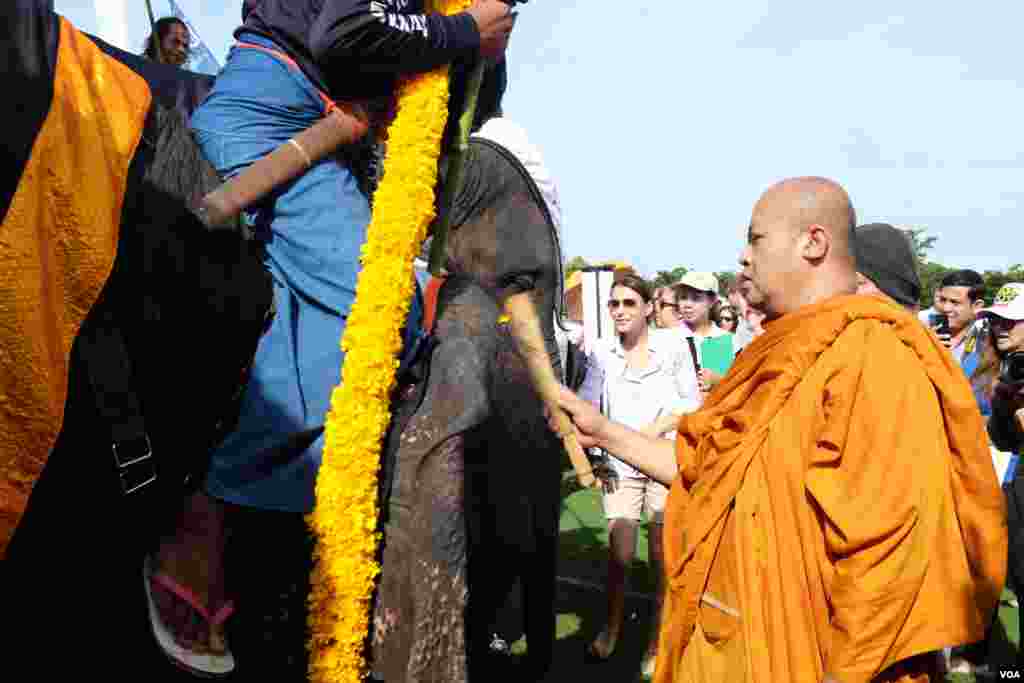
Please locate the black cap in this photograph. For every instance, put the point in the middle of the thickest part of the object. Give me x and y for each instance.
(885, 256)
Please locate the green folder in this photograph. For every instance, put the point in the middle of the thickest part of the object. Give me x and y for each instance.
(716, 353)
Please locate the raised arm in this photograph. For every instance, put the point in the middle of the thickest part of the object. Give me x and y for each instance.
(383, 40)
(653, 456)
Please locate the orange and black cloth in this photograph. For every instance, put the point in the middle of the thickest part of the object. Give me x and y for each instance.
(72, 132)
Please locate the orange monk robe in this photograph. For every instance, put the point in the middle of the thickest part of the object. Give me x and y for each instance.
(836, 510)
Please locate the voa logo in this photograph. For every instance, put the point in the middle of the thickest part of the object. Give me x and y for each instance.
(1009, 674)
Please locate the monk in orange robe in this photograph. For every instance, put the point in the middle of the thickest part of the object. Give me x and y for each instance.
(834, 514)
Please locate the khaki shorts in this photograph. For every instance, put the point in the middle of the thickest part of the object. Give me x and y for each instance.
(635, 497)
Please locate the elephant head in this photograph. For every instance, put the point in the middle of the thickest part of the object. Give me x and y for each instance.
(474, 500)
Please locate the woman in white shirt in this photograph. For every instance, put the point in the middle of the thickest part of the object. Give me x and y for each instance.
(645, 379)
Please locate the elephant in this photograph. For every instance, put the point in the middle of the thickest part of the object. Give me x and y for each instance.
(472, 474)
(178, 319)
(471, 479)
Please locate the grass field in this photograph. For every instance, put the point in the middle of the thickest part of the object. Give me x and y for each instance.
(580, 606)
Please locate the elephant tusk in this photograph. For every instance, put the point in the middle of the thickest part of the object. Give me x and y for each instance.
(525, 328)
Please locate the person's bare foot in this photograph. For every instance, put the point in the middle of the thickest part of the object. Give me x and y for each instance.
(603, 646)
(192, 559)
(647, 664)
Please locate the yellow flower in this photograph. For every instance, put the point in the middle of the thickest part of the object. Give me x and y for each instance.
(344, 519)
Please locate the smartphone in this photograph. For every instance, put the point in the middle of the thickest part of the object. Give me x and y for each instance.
(939, 322)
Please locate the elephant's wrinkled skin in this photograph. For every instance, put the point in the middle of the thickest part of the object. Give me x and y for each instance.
(474, 503)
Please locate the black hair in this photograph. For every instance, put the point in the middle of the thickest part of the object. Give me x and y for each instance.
(965, 278)
(160, 29)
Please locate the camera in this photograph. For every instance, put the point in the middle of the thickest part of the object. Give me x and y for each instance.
(939, 322)
(1013, 368)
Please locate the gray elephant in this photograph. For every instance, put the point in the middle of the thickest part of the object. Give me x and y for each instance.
(472, 473)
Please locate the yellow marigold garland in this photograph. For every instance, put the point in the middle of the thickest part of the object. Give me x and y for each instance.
(345, 517)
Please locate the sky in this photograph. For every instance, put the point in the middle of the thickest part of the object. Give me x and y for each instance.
(662, 124)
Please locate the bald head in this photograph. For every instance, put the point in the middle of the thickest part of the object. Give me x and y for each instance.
(799, 203)
(800, 245)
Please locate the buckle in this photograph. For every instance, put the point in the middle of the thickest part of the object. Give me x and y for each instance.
(134, 461)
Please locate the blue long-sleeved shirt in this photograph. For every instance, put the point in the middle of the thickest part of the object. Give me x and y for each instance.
(355, 49)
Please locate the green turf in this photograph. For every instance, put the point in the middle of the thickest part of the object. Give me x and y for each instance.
(580, 610)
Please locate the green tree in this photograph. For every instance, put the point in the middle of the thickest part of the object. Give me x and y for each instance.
(931, 274)
(995, 279)
(921, 242)
(726, 279)
(574, 264)
(664, 278)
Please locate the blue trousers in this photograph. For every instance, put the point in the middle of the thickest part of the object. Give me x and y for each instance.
(313, 228)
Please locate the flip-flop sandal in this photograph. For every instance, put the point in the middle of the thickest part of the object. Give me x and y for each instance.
(203, 664)
(647, 666)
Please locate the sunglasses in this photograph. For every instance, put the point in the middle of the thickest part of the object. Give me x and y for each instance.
(613, 304)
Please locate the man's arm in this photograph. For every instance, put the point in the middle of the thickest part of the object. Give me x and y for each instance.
(655, 457)
(385, 41)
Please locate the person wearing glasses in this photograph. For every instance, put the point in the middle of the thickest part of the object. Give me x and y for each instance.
(666, 308)
(652, 319)
(643, 378)
(723, 315)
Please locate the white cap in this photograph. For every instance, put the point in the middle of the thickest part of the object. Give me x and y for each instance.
(1009, 302)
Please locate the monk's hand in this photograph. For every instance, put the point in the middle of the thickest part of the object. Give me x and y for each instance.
(494, 21)
(586, 419)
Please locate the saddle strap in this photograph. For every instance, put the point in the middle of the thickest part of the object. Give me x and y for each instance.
(108, 367)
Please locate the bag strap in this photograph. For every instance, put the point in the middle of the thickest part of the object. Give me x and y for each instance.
(693, 353)
(108, 367)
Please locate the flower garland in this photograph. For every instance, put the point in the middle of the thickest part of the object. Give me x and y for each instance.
(344, 519)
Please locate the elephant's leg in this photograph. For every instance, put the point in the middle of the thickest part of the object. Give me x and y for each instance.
(538, 580)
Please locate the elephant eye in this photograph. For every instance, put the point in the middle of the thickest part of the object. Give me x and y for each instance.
(518, 282)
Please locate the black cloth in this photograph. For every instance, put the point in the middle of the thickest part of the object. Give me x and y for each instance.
(1003, 430)
(355, 49)
(28, 56)
(173, 88)
(884, 256)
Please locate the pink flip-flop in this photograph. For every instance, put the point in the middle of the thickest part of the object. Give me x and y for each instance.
(206, 665)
